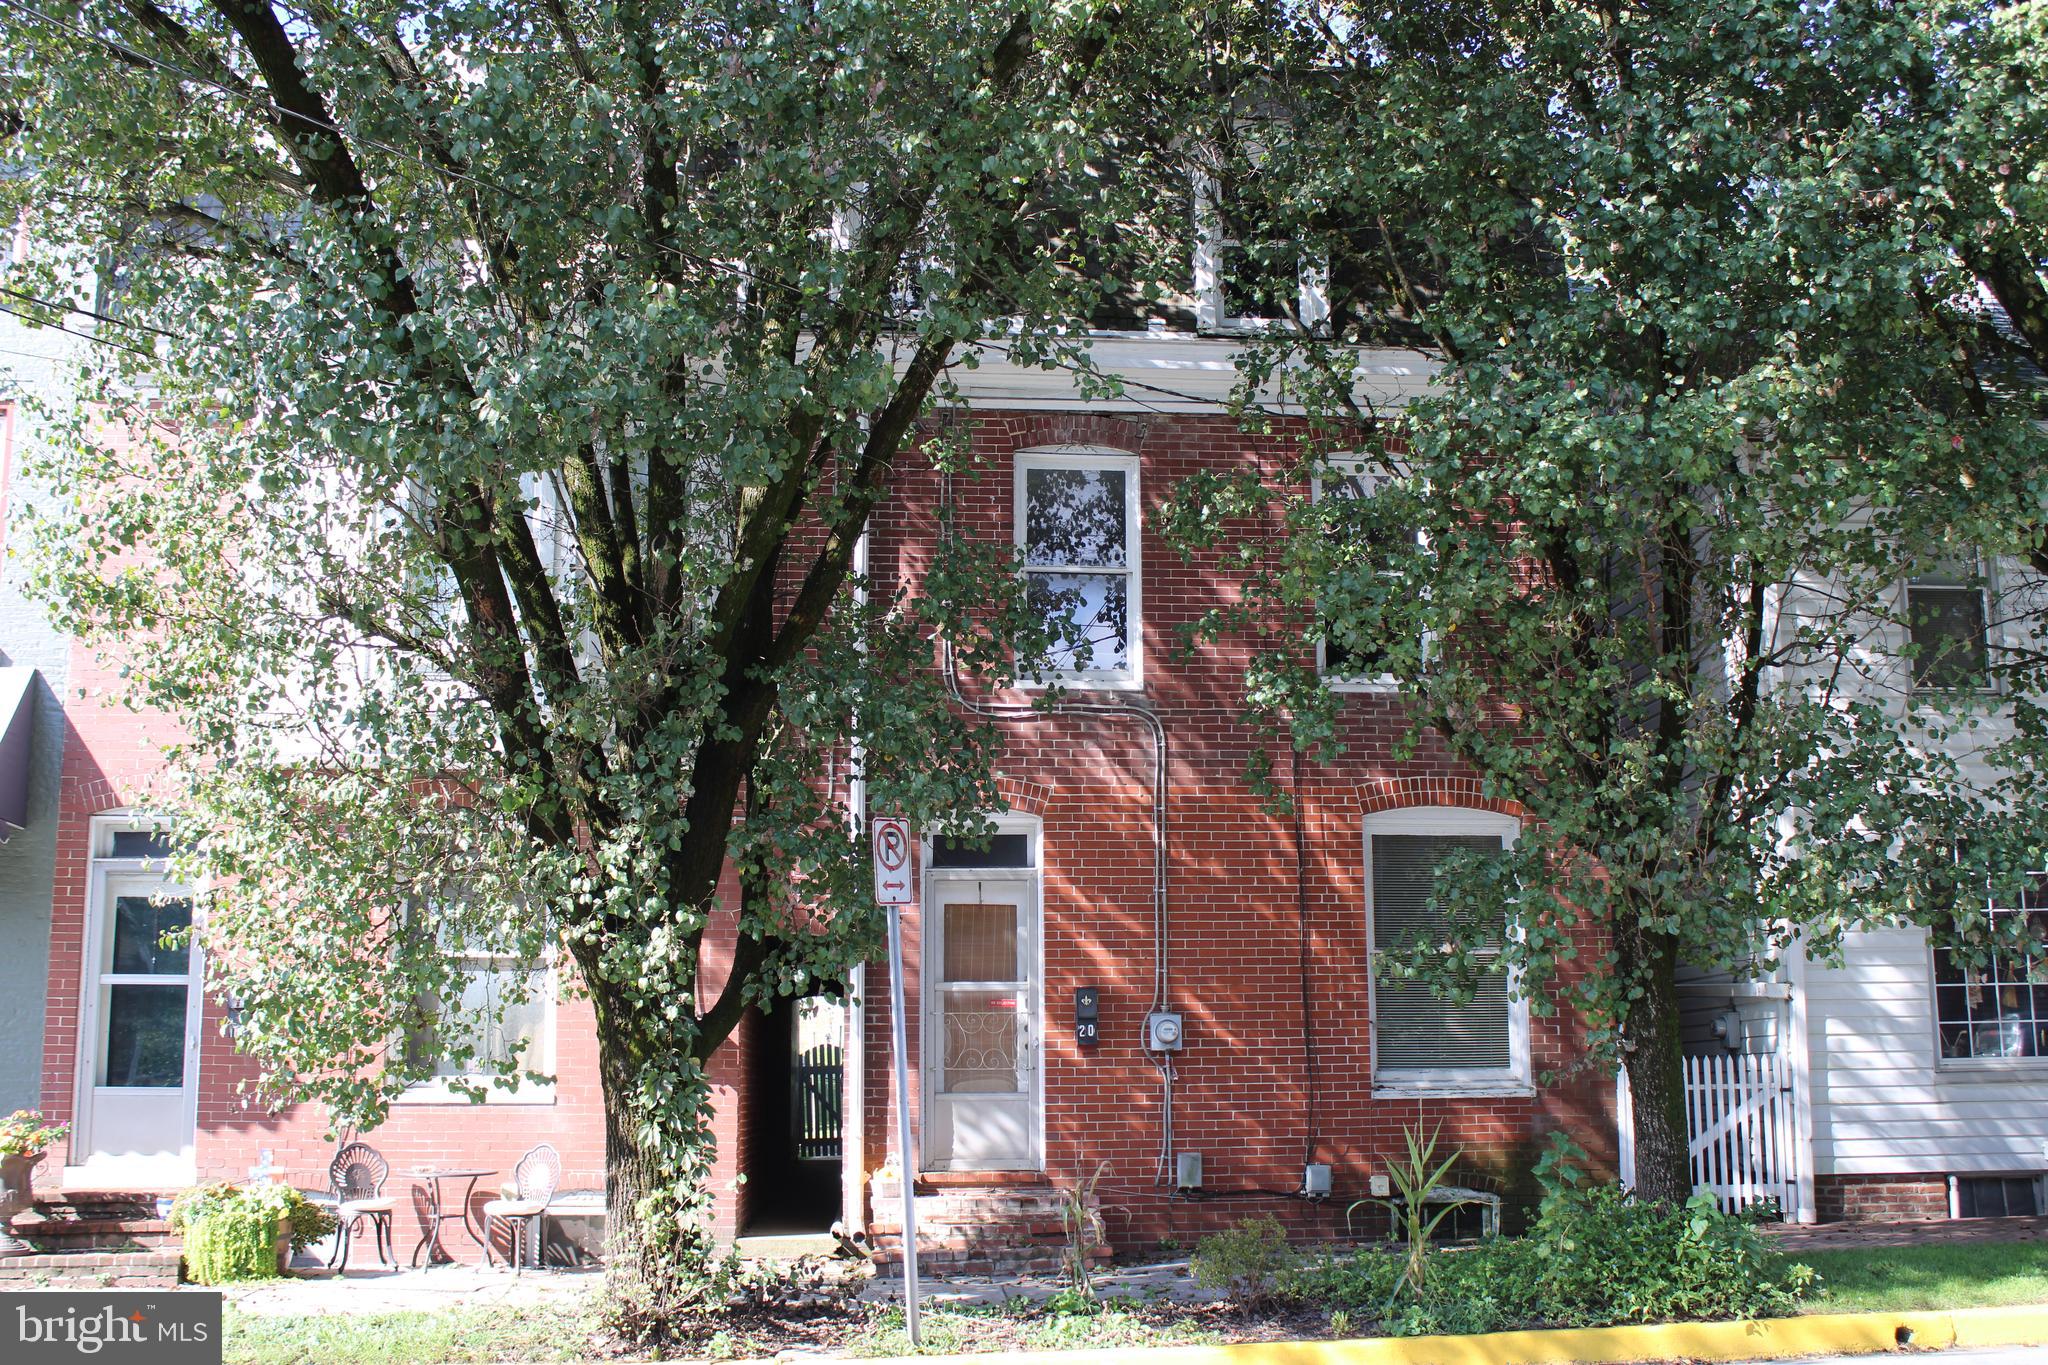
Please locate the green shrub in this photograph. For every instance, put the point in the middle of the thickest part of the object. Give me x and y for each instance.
(230, 1233)
(1250, 1261)
(1596, 1257)
(1608, 1258)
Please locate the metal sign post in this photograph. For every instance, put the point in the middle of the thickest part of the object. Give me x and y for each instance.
(893, 880)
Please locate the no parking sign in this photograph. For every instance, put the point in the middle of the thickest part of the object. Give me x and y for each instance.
(893, 861)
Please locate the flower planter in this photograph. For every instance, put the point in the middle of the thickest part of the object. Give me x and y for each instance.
(16, 1193)
(232, 1233)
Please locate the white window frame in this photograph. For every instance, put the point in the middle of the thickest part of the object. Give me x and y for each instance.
(1312, 299)
(542, 1058)
(1513, 1079)
(1377, 472)
(1942, 1062)
(1131, 677)
(1987, 594)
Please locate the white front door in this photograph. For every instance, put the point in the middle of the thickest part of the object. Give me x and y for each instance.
(983, 1097)
(140, 1038)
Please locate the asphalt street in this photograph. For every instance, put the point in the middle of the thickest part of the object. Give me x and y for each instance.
(1994, 1355)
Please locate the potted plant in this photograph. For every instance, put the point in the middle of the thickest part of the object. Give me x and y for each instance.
(24, 1136)
(237, 1232)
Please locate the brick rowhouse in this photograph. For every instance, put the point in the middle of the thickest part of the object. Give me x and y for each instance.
(1265, 955)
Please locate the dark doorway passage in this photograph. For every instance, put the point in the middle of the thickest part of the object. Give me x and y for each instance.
(795, 1119)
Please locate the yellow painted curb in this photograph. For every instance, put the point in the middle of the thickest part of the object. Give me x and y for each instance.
(1820, 1334)
(2001, 1326)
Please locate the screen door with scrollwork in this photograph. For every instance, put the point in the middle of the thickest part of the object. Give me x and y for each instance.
(981, 1009)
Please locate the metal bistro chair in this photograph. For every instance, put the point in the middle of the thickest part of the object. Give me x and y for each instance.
(525, 1203)
(357, 1177)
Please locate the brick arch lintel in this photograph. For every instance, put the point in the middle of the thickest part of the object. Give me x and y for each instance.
(1022, 796)
(1397, 793)
(1027, 431)
(92, 797)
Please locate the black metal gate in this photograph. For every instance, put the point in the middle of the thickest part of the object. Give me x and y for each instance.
(815, 1102)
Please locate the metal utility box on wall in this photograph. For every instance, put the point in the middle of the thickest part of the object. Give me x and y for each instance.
(1163, 1031)
(1187, 1170)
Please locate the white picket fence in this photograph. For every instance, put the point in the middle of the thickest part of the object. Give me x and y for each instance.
(1740, 1120)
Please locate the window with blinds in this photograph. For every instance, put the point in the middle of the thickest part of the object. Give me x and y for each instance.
(1415, 1031)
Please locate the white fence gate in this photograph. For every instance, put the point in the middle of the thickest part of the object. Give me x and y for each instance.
(1741, 1126)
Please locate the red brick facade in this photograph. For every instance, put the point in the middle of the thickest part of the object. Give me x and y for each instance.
(1880, 1198)
(1243, 1095)
(1267, 957)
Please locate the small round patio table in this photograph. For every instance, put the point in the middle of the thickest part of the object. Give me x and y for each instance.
(439, 1213)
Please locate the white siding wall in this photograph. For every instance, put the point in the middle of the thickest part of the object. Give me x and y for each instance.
(1704, 996)
(1882, 1101)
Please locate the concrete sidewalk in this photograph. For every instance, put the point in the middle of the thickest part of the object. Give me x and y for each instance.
(425, 1291)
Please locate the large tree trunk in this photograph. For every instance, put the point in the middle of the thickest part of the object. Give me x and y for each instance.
(659, 1149)
(1653, 1054)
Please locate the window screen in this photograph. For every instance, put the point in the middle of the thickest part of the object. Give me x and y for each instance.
(1945, 620)
(500, 1016)
(1414, 1030)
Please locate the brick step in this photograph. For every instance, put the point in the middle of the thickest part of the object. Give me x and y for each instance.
(967, 1239)
(69, 1234)
(156, 1268)
(1001, 1227)
(86, 1220)
(892, 1267)
(1033, 1220)
(890, 1252)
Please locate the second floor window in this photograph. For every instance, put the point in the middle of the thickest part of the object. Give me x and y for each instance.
(1359, 666)
(1077, 529)
(1947, 618)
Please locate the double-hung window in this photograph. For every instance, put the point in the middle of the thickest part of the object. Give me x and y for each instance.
(1998, 1007)
(1077, 533)
(1421, 1040)
(1948, 625)
(1349, 666)
(1245, 279)
(501, 1015)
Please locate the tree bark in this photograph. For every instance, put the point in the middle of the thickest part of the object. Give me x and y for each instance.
(658, 1152)
(1653, 1053)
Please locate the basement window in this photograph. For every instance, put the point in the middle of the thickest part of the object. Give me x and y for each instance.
(1997, 1196)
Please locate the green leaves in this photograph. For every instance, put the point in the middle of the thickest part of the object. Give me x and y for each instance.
(486, 516)
(1713, 385)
